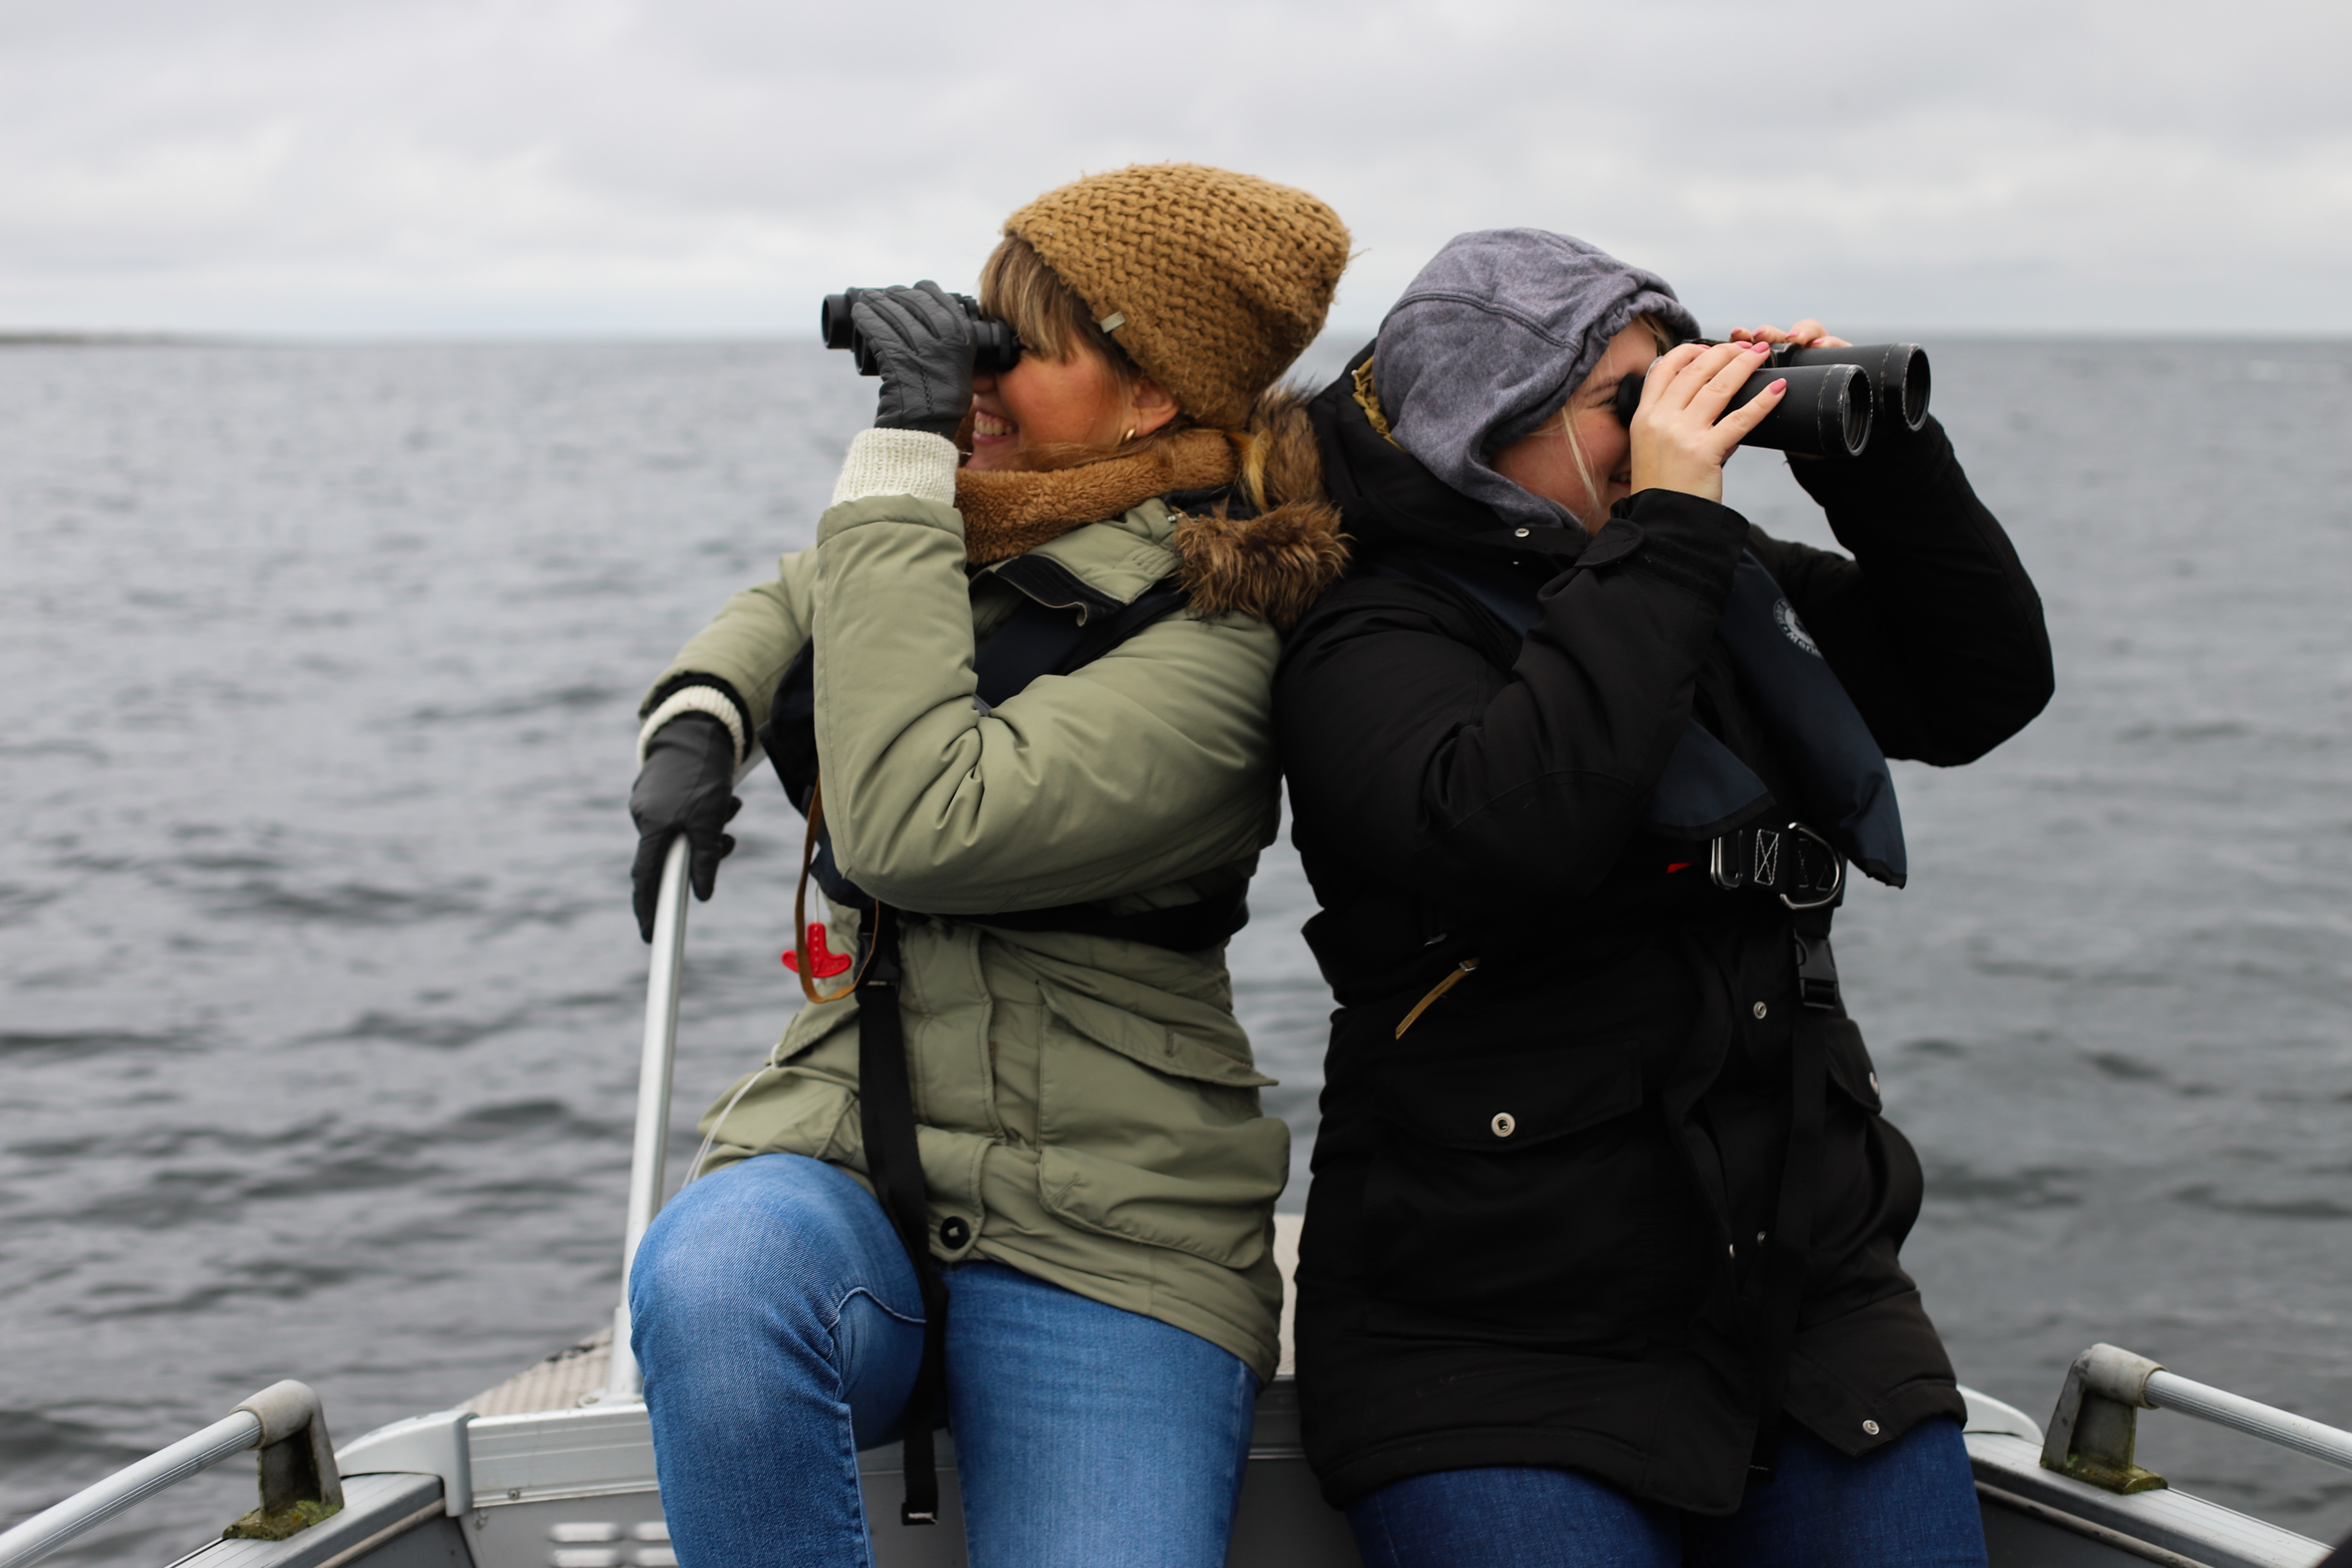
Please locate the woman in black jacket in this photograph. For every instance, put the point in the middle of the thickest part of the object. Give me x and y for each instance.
(1600, 1260)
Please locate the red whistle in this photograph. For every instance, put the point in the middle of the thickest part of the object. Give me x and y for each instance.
(825, 964)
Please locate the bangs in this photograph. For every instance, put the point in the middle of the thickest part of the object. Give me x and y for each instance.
(1018, 289)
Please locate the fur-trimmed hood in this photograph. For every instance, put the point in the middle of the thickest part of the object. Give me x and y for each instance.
(1274, 543)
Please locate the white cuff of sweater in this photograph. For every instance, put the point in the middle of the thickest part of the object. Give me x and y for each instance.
(694, 699)
(899, 463)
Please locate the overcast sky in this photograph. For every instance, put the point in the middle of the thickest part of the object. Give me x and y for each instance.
(502, 167)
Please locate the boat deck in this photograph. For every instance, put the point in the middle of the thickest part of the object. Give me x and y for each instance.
(551, 1468)
(561, 1480)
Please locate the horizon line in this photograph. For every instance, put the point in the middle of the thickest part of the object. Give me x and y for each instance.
(163, 337)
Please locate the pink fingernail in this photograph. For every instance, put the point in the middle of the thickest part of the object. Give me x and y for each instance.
(1777, 387)
(1760, 348)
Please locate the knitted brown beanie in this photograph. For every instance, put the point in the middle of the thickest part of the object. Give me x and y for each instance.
(1223, 279)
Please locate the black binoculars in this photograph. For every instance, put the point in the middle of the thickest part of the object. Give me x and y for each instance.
(1836, 396)
(995, 347)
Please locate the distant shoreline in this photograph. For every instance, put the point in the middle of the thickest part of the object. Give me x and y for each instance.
(40, 339)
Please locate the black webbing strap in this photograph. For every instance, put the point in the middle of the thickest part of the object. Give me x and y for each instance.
(1041, 637)
(885, 1112)
(1817, 980)
(1184, 928)
(1792, 1225)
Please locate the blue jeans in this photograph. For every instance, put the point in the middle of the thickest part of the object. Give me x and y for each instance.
(1911, 1504)
(780, 1328)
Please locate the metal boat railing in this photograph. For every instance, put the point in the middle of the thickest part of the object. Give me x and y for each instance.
(654, 1063)
(93, 1506)
(300, 1484)
(2090, 1437)
(2094, 1430)
(2169, 1391)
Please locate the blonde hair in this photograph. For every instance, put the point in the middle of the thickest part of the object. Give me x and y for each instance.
(1018, 289)
(1664, 338)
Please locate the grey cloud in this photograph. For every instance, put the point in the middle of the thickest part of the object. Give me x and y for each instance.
(711, 165)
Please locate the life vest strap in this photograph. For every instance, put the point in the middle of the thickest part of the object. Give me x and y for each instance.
(1789, 860)
(886, 1109)
(1788, 1257)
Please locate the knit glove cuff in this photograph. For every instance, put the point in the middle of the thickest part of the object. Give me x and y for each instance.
(695, 699)
(899, 463)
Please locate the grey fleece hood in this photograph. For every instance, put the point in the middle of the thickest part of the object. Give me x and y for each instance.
(1488, 342)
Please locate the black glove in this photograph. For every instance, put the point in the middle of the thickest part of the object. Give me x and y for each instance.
(686, 786)
(923, 342)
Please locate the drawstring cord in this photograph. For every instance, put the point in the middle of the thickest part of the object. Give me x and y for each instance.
(694, 1172)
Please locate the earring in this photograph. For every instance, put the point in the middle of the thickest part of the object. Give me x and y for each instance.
(1129, 436)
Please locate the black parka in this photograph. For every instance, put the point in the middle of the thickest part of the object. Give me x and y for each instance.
(1584, 1288)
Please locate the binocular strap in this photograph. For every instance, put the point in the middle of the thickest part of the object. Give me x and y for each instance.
(885, 1112)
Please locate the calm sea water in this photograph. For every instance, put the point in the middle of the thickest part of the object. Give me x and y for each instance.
(319, 992)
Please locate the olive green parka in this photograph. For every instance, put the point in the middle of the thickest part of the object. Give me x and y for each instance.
(1087, 1106)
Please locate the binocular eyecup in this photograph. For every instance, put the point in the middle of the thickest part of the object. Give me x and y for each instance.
(995, 347)
(1835, 397)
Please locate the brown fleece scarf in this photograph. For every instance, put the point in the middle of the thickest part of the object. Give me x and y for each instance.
(1007, 513)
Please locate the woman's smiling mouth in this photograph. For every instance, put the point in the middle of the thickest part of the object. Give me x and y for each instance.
(990, 427)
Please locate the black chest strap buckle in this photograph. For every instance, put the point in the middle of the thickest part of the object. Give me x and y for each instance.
(1817, 975)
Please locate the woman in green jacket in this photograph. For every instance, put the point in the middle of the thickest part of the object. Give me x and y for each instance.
(1021, 688)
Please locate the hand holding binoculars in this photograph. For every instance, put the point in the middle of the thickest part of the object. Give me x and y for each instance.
(1835, 397)
(995, 348)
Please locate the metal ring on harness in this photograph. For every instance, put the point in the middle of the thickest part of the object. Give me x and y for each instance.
(1768, 859)
(1837, 871)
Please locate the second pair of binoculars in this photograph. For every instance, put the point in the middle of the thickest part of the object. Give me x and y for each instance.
(1835, 398)
(995, 346)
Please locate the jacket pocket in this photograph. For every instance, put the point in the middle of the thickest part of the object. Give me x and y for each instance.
(799, 1103)
(1221, 1214)
(1154, 1137)
(1511, 1105)
(1138, 1039)
(1871, 1184)
(1849, 1060)
(795, 1113)
(1524, 1195)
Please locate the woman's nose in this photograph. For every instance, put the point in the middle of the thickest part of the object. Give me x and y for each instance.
(983, 380)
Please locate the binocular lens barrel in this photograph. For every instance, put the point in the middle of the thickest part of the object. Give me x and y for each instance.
(1826, 413)
(832, 320)
(1898, 375)
(995, 346)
